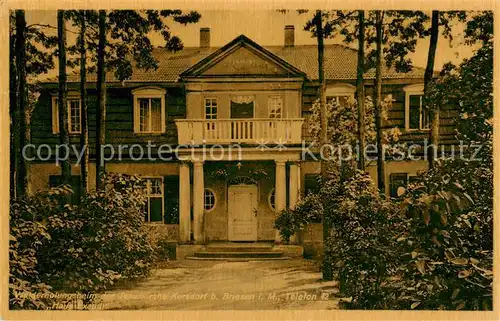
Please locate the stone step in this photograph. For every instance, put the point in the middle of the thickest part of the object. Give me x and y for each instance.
(252, 248)
(239, 254)
(236, 259)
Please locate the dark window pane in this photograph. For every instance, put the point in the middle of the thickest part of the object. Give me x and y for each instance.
(155, 209)
(398, 180)
(311, 183)
(241, 110)
(415, 111)
(56, 180)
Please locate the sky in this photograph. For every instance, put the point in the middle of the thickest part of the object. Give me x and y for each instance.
(266, 27)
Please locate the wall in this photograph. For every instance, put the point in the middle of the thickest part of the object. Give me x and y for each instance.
(216, 220)
(119, 119)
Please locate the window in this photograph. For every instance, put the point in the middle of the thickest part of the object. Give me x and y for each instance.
(153, 209)
(275, 106)
(398, 180)
(149, 110)
(416, 118)
(311, 183)
(74, 114)
(211, 108)
(209, 199)
(272, 199)
(340, 93)
(341, 100)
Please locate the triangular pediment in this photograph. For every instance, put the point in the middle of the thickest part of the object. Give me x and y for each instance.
(243, 58)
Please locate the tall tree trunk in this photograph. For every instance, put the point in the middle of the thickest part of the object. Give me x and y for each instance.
(360, 89)
(63, 106)
(13, 112)
(22, 167)
(84, 136)
(433, 110)
(318, 21)
(377, 98)
(101, 100)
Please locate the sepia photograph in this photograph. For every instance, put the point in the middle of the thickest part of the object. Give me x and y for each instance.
(249, 159)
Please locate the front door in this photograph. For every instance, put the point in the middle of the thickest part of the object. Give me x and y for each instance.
(242, 216)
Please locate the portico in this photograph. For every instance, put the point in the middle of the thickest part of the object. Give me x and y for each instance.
(239, 208)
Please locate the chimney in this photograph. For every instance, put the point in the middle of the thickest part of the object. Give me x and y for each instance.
(289, 36)
(204, 37)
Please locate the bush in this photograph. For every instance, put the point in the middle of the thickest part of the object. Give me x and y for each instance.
(291, 221)
(448, 243)
(360, 244)
(89, 247)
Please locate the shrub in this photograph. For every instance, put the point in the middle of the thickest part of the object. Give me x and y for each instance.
(27, 236)
(290, 221)
(449, 239)
(360, 244)
(89, 247)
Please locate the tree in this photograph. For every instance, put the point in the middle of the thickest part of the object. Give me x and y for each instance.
(62, 97)
(124, 39)
(20, 128)
(101, 99)
(429, 71)
(31, 54)
(360, 88)
(84, 136)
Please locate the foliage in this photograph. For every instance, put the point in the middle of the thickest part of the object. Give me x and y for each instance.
(449, 239)
(225, 171)
(342, 121)
(85, 248)
(128, 37)
(27, 236)
(360, 245)
(290, 221)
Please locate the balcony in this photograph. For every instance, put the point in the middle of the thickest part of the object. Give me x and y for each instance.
(248, 131)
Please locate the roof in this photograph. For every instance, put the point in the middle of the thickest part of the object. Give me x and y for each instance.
(340, 64)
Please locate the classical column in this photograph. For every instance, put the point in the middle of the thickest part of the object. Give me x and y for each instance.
(280, 191)
(198, 200)
(184, 203)
(294, 184)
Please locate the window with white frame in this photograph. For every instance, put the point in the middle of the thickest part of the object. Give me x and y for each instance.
(149, 110)
(416, 117)
(211, 105)
(153, 209)
(74, 108)
(275, 106)
(339, 93)
(209, 199)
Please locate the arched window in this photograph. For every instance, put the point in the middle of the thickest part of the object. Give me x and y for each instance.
(272, 199)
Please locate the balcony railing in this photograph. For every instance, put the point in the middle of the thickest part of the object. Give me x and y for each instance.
(251, 131)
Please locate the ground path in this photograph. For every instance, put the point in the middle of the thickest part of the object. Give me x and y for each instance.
(219, 285)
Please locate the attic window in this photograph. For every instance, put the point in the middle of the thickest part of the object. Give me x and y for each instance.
(149, 110)
(340, 93)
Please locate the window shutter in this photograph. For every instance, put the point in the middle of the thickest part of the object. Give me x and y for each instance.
(55, 115)
(136, 115)
(171, 199)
